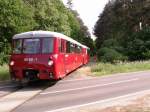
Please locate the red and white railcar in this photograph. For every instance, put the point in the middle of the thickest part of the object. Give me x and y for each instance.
(45, 55)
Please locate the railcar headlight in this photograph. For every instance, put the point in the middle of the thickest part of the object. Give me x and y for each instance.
(50, 62)
(12, 63)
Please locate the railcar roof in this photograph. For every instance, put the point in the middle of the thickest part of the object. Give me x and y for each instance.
(40, 34)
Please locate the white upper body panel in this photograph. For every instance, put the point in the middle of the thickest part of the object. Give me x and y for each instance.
(40, 34)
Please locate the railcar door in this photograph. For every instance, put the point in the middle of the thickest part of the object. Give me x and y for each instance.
(61, 59)
(68, 57)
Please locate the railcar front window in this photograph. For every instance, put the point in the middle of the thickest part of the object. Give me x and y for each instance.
(31, 46)
(17, 46)
(47, 45)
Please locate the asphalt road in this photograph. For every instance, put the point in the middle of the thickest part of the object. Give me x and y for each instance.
(70, 93)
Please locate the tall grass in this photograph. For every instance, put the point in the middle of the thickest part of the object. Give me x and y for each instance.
(107, 68)
(4, 72)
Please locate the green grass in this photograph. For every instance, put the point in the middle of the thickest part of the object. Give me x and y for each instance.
(4, 72)
(98, 69)
(106, 68)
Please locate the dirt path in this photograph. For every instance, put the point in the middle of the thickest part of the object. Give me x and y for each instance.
(81, 73)
(139, 105)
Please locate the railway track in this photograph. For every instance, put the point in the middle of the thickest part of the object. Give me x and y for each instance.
(15, 95)
(9, 87)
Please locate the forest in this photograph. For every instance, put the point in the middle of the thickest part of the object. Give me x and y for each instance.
(123, 31)
(18, 16)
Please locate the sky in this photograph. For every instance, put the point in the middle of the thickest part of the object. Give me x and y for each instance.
(89, 10)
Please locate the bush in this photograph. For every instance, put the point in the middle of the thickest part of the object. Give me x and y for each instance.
(110, 55)
(111, 43)
(138, 46)
(5, 51)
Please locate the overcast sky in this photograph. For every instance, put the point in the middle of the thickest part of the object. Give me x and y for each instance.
(89, 10)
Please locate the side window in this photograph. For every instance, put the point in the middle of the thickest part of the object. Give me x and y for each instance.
(72, 48)
(17, 45)
(78, 49)
(68, 47)
(47, 45)
(61, 46)
(88, 51)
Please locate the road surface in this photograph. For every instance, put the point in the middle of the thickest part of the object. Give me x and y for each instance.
(7, 88)
(76, 93)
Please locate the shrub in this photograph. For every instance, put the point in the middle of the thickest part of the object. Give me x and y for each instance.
(110, 55)
(138, 46)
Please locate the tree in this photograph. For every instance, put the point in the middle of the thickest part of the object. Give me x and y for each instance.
(24, 15)
(81, 32)
(121, 20)
(15, 17)
(70, 4)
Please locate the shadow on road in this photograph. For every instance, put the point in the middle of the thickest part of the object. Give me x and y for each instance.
(41, 84)
(10, 87)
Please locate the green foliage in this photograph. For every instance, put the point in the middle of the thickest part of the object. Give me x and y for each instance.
(111, 51)
(15, 17)
(118, 28)
(4, 55)
(110, 55)
(80, 30)
(139, 45)
(113, 44)
(74, 26)
(50, 15)
(4, 73)
(109, 69)
(24, 15)
(89, 42)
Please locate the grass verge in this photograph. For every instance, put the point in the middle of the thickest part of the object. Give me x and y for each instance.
(4, 72)
(99, 69)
